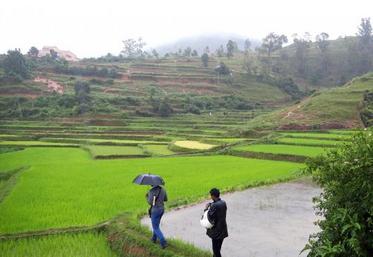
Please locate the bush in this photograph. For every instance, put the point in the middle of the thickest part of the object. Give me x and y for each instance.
(346, 176)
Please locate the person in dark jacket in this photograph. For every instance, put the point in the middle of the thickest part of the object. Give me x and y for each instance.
(217, 212)
(156, 197)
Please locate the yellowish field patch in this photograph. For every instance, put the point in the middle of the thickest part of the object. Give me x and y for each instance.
(193, 145)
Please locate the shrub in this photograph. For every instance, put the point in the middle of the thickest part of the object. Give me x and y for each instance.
(346, 176)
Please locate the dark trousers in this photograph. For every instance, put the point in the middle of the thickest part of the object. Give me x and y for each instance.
(156, 220)
(216, 247)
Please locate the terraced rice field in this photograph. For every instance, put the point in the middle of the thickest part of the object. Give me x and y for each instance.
(310, 151)
(193, 145)
(79, 191)
(33, 143)
(330, 136)
(158, 150)
(82, 245)
(112, 151)
(310, 142)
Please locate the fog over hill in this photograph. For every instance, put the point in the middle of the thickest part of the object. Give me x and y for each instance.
(199, 43)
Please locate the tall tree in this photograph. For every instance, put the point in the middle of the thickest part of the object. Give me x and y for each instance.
(82, 91)
(205, 59)
(133, 48)
(302, 44)
(273, 42)
(365, 46)
(155, 53)
(33, 52)
(322, 44)
(194, 52)
(220, 51)
(231, 47)
(15, 65)
(247, 45)
(187, 51)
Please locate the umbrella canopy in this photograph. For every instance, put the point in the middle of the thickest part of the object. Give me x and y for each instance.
(148, 179)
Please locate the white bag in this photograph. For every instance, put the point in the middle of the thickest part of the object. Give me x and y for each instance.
(205, 221)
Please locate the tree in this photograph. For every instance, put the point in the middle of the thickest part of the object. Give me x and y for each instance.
(133, 48)
(220, 51)
(165, 109)
(205, 59)
(155, 53)
(247, 45)
(322, 44)
(16, 66)
(231, 47)
(82, 91)
(187, 51)
(365, 46)
(33, 52)
(301, 47)
(365, 32)
(346, 204)
(194, 52)
(273, 42)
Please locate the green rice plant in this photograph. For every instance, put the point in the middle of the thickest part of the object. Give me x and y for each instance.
(64, 187)
(82, 245)
(316, 135)
(102, 151)
(33, 143)
(309, 151)
(158, 150)
(310, 142)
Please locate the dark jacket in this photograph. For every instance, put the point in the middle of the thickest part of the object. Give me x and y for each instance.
(160, 195)
(217, 216)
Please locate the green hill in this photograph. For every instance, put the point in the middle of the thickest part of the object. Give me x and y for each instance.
(332, 108)
(137, 87)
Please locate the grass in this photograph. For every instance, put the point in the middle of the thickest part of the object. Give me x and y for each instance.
(193, 145)
(158, 149)
(309, 151)
(64, 187)
(80, 245)
(103, 150)
(310, 142)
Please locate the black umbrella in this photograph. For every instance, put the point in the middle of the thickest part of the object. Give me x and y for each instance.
(148, 179)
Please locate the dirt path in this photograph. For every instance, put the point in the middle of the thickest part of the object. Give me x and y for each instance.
(52, 86)
(266, 221)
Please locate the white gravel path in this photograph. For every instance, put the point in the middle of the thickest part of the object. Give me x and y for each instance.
(268, 221)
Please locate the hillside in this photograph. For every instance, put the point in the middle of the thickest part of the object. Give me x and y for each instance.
(332, 108)
(138, 87)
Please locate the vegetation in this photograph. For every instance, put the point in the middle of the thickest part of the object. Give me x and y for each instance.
(310, 151)
(82, 245)
(80, 191)
(345, 175)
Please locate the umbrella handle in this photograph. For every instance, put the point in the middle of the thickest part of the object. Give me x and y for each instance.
(154, 200)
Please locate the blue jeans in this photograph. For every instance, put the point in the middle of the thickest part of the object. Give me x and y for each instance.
(156, 220)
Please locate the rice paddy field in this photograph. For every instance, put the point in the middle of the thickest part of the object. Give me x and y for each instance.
(310, 151)
(82, 245)
(76, 176)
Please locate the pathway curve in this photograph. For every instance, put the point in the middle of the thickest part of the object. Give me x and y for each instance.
(267, 221)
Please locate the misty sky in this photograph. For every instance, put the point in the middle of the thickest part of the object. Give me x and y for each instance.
(94, 28)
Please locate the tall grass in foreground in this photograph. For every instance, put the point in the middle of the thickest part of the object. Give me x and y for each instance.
(68, 245)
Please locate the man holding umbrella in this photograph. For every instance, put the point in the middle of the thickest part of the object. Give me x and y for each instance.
(156, 197)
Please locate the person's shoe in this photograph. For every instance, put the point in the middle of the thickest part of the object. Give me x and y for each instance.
(154, 241)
